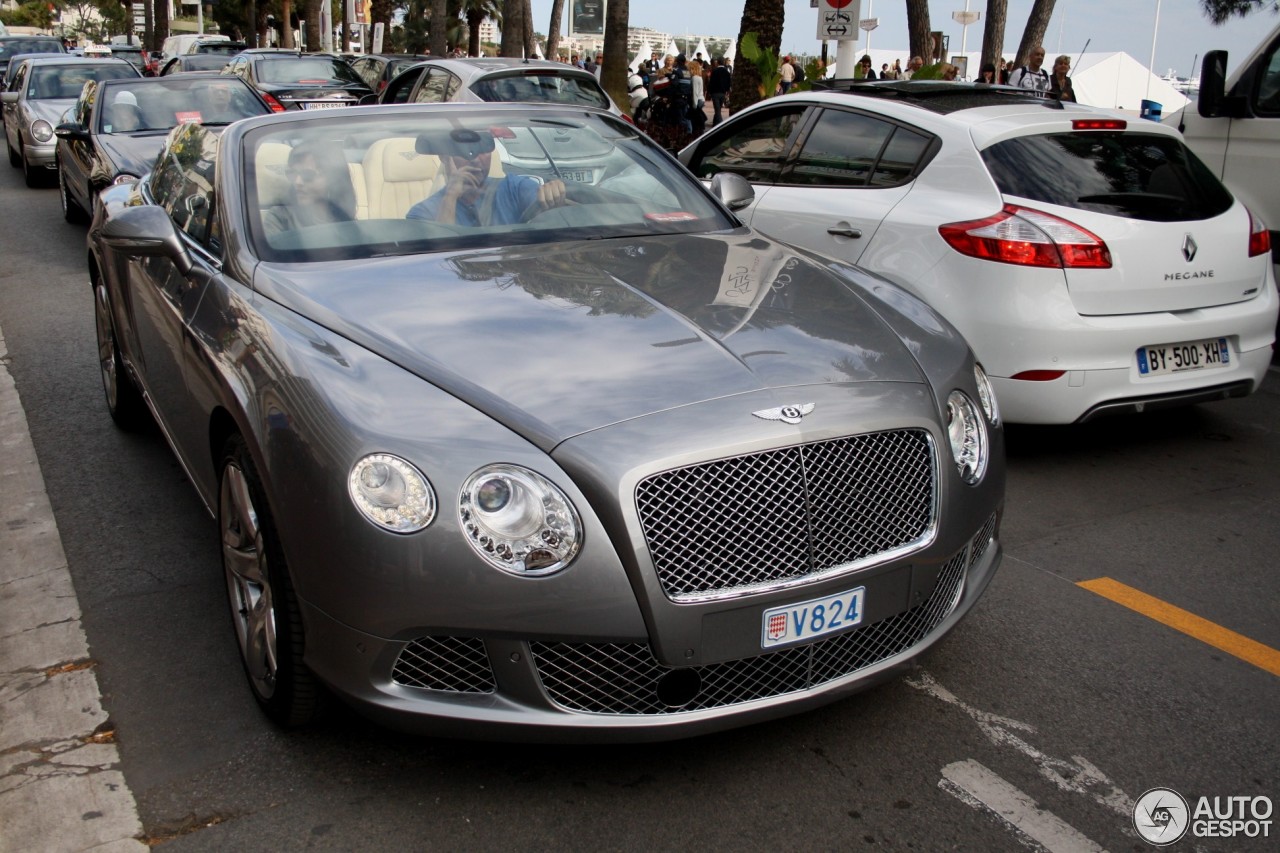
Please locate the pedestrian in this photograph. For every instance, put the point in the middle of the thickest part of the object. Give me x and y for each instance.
(987, 74)
(719, 86)
(913, 66)
(897, 70)
(787, 75)
(885, 73)
(1059, 83)
(1032, 75)
(864, 69)
(950, 72)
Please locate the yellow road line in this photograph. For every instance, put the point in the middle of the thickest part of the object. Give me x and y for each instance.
(1237, 645)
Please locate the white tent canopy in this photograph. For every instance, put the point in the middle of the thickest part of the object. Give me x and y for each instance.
(672, 50)
(1118, 81)
(701, 49)
(642, 55)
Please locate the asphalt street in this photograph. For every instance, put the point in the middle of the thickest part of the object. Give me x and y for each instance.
(1037, 724)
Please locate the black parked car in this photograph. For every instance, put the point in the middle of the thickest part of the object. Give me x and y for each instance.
(11, 46)
(306, 82)
(377, 69)
(117, 127)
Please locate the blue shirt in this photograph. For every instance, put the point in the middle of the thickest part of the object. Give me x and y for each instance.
(512, 196)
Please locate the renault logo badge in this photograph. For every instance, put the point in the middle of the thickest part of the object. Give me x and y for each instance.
(1189, 248)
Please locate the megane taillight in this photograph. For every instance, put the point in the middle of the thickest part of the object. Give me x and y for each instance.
(1019, 235)
(1259, 236)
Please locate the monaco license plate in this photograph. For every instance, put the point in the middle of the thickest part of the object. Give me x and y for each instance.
(1163, 359)
(324, 105)
(579, 176)
(817, 617)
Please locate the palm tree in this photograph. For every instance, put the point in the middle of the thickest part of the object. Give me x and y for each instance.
(993, 33)
(439, 44)
(764, 18)
(1219, 11)
(553, 29)
(613, 76)
(474, 12)
(919, 33)
(1033, 35)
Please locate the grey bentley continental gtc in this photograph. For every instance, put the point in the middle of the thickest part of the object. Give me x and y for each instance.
(512, 430)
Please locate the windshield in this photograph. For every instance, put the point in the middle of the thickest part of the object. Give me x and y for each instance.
(534, 88)
(348, 185)
(222, 48)
(65, 81)
(10, 47)
(161, 103)
(306, 71)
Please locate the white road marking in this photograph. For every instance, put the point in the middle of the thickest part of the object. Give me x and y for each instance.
(1078, 776)
(976, 786)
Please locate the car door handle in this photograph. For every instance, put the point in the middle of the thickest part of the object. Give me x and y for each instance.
(845, 232)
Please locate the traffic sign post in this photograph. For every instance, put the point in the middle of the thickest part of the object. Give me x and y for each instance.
(838, 22)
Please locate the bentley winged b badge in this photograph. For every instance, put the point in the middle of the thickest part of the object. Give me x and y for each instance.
(790, 414)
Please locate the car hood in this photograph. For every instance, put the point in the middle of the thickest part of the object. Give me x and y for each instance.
(50, 109)
(132, 153)
(557, 341)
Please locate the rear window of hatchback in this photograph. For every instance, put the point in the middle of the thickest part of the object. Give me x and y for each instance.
(1132, 175)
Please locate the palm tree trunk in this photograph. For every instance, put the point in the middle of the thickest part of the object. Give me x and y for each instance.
(553, 29)
(312, 24)
(764, 18)
(512, 28)
(286, 30)
(438, 44)
(919, 33)
(160, 23)
(529, 46)
(1033, 35)
(613, 76)
(993, 34)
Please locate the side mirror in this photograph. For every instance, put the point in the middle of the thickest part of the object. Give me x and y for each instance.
(1213, 82)
(70, 131)
(9, 97)
(146, 231)
(733, 190)
(367, 101)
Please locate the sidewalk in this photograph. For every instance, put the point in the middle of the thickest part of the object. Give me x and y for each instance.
(61, 788)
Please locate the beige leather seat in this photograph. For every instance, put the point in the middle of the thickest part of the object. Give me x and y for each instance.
(397, 177)
(270, 169)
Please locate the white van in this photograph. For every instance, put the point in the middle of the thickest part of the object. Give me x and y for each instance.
(1235, 129)
(177, 45)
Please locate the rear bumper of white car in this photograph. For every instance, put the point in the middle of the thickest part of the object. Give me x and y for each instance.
(1034, 327)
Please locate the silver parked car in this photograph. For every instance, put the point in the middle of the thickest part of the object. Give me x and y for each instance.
(500, 450)
(41, 92)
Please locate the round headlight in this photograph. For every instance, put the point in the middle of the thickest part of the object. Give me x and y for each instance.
(41, 130)
(518, 520)
(392, 493)
(986, 394)
(968, 436)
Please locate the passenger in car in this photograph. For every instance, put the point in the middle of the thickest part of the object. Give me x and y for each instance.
(473, 198)
(320, 190)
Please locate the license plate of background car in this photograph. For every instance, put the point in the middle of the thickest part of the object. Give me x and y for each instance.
(578, 176)
(817, 617)
(324, 105)
(1163, 359)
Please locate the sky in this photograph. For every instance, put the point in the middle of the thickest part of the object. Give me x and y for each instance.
(1107, 25)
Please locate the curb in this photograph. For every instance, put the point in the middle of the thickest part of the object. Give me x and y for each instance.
(61, 787)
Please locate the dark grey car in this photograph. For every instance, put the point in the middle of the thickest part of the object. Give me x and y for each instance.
(500, 449)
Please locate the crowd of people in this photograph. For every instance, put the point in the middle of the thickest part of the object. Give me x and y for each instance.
(1033, 75)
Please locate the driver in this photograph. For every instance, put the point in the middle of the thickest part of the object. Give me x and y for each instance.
(471, 197)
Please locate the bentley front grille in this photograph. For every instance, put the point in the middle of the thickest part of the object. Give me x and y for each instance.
(722, 528)
(625, 678)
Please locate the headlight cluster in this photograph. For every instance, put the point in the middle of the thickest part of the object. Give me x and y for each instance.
(41, 130)
(518, 521)
(125, 178)
(392, 493)
(967, 433)
(986, 394)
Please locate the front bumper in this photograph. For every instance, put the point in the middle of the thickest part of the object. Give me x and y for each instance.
(604, 689)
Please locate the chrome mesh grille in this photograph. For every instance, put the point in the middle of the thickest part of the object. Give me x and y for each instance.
(788, 513)
(624, 678)
(454, 664)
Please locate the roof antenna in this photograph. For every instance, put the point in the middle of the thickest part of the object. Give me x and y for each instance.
(1082, 50)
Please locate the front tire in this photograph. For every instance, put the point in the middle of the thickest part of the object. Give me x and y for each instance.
(124, 401)
(14, 159)
(34, 176)
(264, 607)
